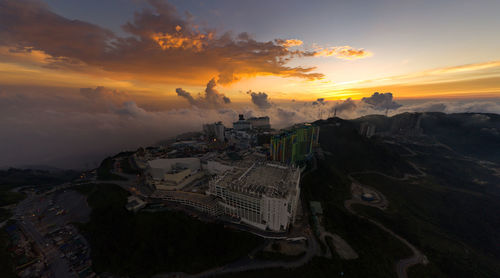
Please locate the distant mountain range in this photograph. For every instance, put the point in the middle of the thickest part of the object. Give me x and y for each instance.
(441, 176)
(472, 134)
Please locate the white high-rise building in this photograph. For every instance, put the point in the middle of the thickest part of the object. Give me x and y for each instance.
(264, 195)
(214, 131)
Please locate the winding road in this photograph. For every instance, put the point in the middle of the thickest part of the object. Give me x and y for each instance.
(247, 263)
(403, 264)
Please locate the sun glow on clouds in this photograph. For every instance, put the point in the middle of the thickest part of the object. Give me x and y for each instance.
(173, 41)
(74, 88)
(290, 43)
(343, 52)
(479, 79)
(59, 50)
(464, 68)
(192, 56)
(163, 50)
(440, 75)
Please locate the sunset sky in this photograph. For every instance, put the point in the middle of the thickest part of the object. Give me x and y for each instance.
(289, 49)
(87, 78)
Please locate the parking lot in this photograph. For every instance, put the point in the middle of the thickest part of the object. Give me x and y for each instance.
(47, 220)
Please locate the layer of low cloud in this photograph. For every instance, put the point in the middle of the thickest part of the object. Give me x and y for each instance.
(381, 101)
(77, 128)
(211, 99)
(319, 101)
(347, 105)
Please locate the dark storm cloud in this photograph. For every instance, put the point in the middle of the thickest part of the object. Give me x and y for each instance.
(260, 99)
(162, 45)
(382, 101)
(211, 99)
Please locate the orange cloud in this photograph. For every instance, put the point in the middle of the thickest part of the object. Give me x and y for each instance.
(168, 41)
(289, 43)
(343, 52)
(162, 47)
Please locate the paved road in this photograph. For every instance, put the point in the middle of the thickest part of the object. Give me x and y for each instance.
(343, 249)
(403, 264)
(247, 263)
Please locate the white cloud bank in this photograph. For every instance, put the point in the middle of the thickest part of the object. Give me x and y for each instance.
(78, 129)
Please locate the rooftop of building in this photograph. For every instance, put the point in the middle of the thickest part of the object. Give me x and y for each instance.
(169, 163)
(261, 178)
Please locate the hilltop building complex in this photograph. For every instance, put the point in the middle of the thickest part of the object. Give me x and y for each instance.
(265, 195)
(225, 174)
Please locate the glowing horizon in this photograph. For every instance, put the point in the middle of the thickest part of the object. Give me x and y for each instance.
(158, 50)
